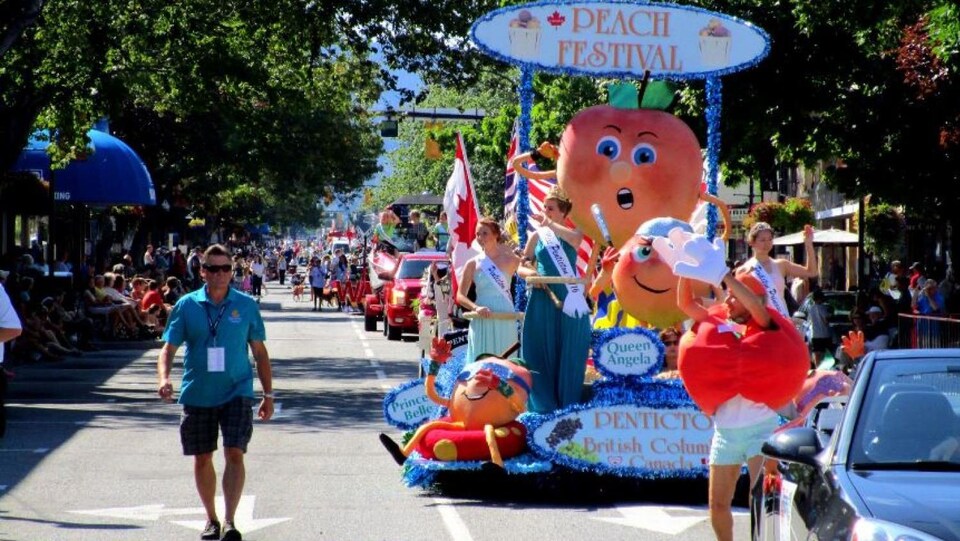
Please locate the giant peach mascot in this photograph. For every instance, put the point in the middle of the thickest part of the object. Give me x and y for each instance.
(634, 164)
(625, 169)
(488, 397)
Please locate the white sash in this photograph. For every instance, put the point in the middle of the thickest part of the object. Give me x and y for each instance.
(773, 298)
(575, 304)
(490, 268)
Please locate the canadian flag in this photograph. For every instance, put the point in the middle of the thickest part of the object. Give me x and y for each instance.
(460, 203)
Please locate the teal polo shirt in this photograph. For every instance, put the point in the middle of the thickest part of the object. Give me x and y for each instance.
(190, 324)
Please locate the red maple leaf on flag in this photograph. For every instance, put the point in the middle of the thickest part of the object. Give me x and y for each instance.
(465, 230)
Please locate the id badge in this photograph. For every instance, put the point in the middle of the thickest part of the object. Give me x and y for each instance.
(215, 360)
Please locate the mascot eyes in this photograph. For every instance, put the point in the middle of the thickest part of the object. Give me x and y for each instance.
(609, 147)
(641, 253)
(644, 154)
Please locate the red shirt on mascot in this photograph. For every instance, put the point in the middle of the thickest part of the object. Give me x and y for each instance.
(720, 358)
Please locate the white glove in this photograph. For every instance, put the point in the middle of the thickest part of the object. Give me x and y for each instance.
(670, 248)
(697, 257)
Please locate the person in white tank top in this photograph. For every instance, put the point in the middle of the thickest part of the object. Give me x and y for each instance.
(760, 239)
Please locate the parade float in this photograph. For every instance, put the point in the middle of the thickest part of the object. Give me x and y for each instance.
(632, 174)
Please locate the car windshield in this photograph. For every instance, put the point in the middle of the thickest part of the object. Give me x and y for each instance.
(909, 414)
(413, 268)
(399, 243)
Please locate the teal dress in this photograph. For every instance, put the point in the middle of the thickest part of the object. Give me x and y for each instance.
(490, 335)
(554, 345)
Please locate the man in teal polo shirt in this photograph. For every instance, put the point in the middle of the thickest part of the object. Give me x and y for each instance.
(218, 324)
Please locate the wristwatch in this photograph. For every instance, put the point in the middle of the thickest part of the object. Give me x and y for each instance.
(268, 395)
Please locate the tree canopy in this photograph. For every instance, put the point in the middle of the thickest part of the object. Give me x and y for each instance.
(868, 87)
(256, 108)
(244, 110)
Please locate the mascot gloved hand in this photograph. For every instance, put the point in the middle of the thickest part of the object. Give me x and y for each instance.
(693, 256)
(487, 398)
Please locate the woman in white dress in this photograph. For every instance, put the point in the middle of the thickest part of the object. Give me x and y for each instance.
(778, 270)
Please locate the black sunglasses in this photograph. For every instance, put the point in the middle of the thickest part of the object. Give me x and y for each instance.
(670, 342)
(218, 268)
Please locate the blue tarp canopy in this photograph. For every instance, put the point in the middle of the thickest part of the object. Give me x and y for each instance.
(112, 174)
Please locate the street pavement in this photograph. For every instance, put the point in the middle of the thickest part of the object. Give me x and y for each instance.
(92, 454)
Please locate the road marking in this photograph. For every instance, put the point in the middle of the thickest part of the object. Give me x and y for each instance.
(154, 511)
(671, 520)
(451, 519)
(243, 519)
(244, 515)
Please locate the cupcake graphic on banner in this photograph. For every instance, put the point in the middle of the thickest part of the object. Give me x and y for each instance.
(715, 41)
(525, 36)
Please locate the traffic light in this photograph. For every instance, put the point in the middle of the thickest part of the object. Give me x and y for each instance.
(431, 148)
(389, 128)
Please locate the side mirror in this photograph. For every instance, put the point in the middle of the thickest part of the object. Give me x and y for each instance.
(800, 445)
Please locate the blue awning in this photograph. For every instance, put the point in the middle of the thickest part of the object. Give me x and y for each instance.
(112, 174)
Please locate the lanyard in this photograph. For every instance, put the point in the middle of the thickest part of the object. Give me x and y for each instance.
(215, 324)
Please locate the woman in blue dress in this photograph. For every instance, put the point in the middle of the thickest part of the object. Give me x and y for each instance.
(491, 272)
(556, 330)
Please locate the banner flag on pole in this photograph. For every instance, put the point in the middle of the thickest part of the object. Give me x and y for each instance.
(460, 203)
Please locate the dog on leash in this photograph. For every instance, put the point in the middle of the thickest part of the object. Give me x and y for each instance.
(298, 292)
(329, 296)
(296, 282)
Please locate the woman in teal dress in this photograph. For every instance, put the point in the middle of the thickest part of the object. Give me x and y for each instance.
(491, 272)
(556, 339)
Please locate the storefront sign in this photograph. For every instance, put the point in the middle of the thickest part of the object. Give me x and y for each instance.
(628, 440)
(621, 39)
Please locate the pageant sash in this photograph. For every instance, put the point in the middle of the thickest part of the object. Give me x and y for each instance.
(575, 304)
(773, 298)
(488, 267)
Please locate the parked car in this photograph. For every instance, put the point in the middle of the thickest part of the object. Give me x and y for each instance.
(840, 303)
(399, 314)
(889, 470)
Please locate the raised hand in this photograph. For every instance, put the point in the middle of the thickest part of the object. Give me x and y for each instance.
(693, 256)
(549, 150)
(440, 350)
(853, 344)
(610, 257)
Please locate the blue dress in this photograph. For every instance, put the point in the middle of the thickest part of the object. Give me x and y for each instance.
(490, 335)
(554, 345)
